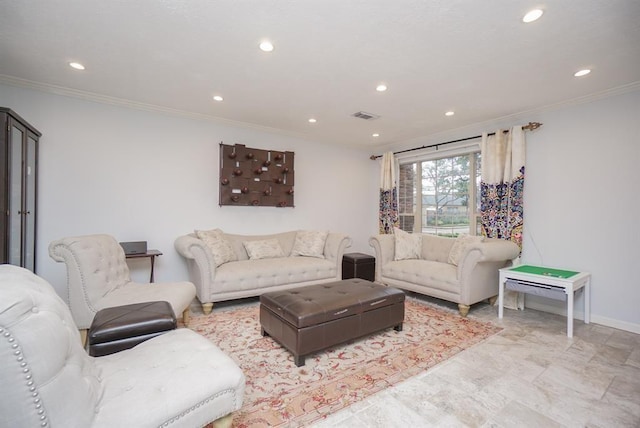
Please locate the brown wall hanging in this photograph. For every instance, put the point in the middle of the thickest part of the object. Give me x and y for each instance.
(255, 177)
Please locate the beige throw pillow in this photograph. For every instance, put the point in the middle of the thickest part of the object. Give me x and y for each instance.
(309, 243)
(408, 245)
(265, 249)
(220, 247)
(460, 246)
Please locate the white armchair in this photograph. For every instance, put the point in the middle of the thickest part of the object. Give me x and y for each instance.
(178, 379)
(98, 277)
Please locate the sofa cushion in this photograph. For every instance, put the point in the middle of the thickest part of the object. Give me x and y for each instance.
(263, 273)
(309, 243)
(462, 242)
(263, 249)
(431, 274)
(408, 245)
(220, 247)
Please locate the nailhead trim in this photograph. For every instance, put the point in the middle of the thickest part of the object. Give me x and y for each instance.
(24, 367)
(201, 403)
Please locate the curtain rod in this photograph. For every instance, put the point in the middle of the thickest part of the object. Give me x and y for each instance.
(528, 127)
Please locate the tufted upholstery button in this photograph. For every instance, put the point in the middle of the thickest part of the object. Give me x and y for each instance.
(35, 310)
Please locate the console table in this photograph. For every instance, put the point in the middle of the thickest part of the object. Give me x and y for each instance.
(150, 254)
(547, 282)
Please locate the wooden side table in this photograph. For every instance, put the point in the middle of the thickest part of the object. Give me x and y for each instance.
(150, 254)
(547, 282)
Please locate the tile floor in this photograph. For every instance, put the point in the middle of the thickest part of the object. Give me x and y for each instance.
(529, 375)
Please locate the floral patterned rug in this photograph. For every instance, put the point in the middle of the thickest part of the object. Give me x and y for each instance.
(280, 394)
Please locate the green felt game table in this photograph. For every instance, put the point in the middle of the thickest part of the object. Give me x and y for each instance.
(549, 282)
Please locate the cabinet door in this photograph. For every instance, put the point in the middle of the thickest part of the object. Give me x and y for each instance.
(15, 194)
(29, 208)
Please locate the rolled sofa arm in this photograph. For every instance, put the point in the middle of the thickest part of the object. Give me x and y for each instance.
(334, 249)
(200, 263)
(384, 247)
(491, 250)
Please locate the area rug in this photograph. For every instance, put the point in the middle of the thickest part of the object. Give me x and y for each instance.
(279, 394)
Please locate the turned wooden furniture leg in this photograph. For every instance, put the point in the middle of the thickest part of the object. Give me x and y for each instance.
(464, 309)
(492, 300)
(223, 422)
(83, 336)
(185, 317)
(207, 307)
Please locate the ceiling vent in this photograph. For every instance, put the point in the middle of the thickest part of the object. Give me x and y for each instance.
(365, 115)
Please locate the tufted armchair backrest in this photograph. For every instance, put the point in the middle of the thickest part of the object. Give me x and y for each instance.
(96, 265)
(46, 377)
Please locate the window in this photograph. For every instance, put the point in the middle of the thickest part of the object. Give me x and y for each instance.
(440, 196)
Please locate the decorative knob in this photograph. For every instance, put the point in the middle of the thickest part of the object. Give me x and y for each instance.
(282, 204)
(232, 155)
(255, 202)
(267, 192)
(279, 180)
(245, 190)
(249, 155)
(278, 157)
(290, 191)
(237, 171)
(267, 163)
(258, 171)
(235, 198)
(285, 170)
(224, 181)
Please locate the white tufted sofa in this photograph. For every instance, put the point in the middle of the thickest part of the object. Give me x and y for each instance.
(475, 278)
(179, 379)
(246, 278)
(98, 277)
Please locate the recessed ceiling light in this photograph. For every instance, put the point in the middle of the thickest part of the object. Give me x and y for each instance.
(266, 46)
(76, 65)
(375, 135)
(532, 15)
(582, 72)
(218, 98)
(312, 120)
(381, 87)
(449, 113)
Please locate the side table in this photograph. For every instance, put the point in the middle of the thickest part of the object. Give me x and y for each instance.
(150, 254)
(547, 282)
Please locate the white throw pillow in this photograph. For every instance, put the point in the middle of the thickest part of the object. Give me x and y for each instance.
(266, 249)
(309, 243)
(219, 246)
(408, 245)
(460, 246)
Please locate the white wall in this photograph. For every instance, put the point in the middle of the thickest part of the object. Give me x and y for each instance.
(582, 203)
(147, 176)
(139, 175)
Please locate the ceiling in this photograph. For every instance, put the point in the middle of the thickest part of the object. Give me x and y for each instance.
(476, 58)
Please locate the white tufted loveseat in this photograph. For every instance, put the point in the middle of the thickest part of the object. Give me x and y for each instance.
(244, 277)
(473, 278)
(179, 379)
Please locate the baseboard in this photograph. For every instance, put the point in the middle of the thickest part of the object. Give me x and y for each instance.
(579, 315)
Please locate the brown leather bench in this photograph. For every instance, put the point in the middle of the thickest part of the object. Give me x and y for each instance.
(313, 318)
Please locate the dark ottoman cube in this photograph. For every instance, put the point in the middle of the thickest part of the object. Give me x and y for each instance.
(313, 318)
(123, 327)
(359, 265)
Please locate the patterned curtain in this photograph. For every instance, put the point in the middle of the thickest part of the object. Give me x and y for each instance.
(502, 187)
(388, 214)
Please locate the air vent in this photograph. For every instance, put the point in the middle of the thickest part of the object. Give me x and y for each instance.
(365, 115)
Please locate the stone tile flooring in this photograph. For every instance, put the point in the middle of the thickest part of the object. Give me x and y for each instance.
(529, 375)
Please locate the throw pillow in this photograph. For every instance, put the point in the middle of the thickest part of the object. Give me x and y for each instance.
(220, 247)
(309, 243)
(460, 246)
(408, 245)
(266, 249)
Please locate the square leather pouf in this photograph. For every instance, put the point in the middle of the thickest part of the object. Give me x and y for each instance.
(123, 327)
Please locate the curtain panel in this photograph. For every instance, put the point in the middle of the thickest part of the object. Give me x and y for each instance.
(388, 212)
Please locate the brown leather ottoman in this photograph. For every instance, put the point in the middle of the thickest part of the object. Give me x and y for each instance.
(122, 327)
(313, 318)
